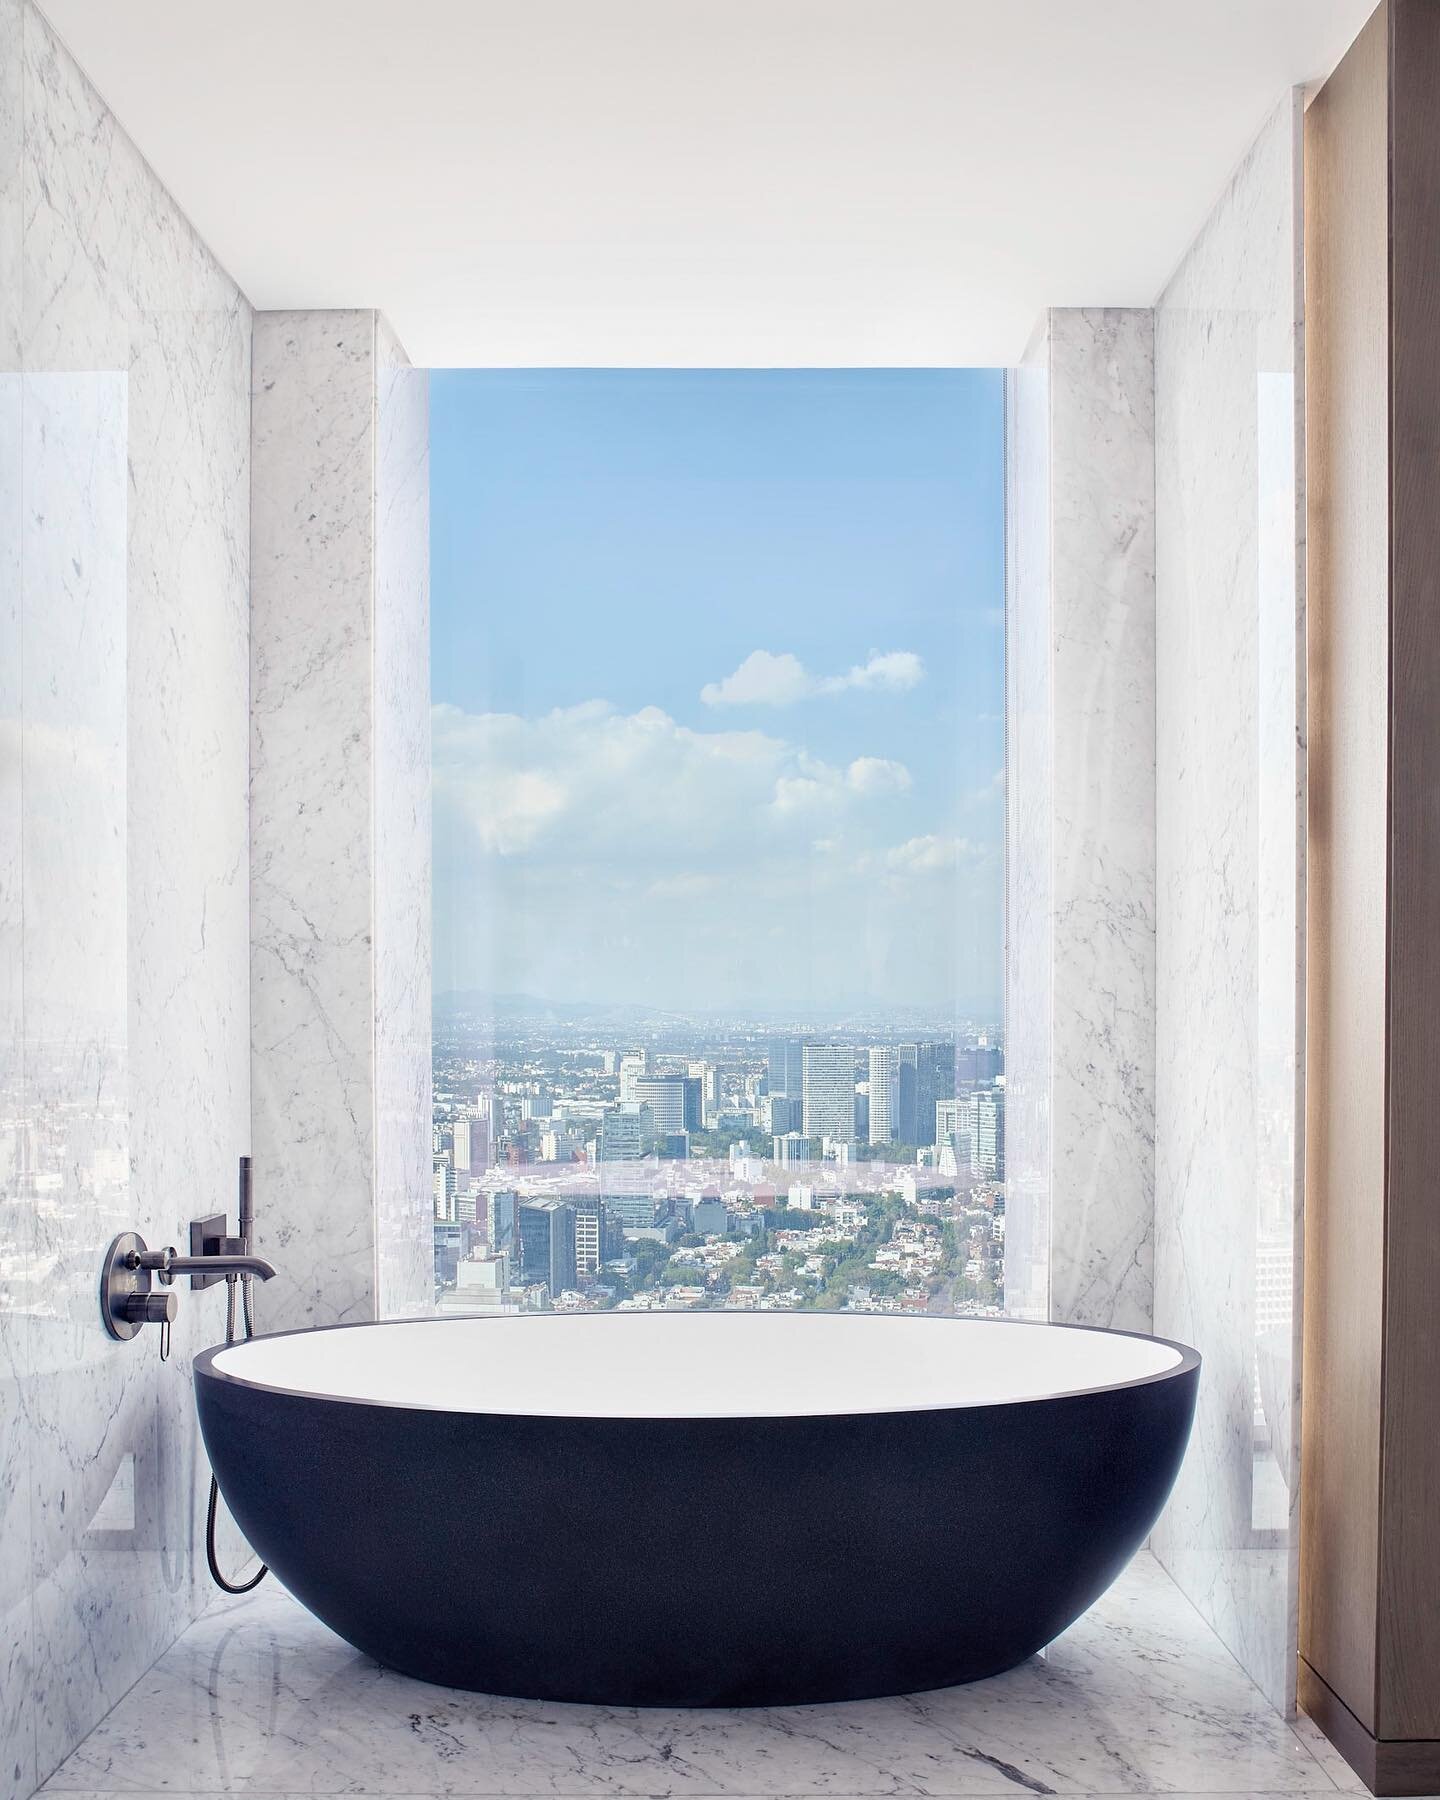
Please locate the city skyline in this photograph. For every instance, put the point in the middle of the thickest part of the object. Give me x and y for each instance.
(718, 684)
(579, 1173)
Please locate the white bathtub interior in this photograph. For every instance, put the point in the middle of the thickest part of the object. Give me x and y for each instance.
(696, 1365)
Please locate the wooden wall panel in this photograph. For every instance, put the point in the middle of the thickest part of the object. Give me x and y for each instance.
(1346, 583)
(1370, 1504)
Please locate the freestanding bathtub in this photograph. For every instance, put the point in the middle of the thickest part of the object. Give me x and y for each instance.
(697, 1509)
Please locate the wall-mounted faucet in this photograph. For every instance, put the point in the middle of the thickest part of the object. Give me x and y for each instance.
(167, 1263)
(127, 1299)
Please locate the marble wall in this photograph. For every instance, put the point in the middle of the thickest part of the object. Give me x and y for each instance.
(403, 1202)
(340, 947)
(1230, 767)
(1080, 1017)
(124, 1067)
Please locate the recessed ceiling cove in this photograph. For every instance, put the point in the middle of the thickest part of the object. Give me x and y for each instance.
(700, 182)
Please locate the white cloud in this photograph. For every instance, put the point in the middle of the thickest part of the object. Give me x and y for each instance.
(594, 854)
(763, 679)
(929, 855)
(877, 775)
(768, 679)
(589, 780)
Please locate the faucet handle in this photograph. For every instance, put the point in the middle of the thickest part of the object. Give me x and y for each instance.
(151, 1309)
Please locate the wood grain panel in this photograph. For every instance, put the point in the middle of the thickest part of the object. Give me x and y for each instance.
(1347, 582)
(1409, 1622)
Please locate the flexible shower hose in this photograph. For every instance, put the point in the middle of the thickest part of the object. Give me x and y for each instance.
(230, 1587)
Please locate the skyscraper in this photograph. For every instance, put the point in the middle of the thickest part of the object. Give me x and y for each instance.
(589, 1212)
(623, 1132)
(784, 1113)
(500, 1211)
(828, 1091)
(785, 1066)
(547, 1244)
(987, 1132)
(633, 1064)
(883, 1061)
(710, 1092)
(444, 1188)
(934, 1081)
(977, 1065)
(665, 1096)
(892, 1083)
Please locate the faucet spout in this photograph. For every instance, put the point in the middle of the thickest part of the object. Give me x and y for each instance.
(167, 1264)
(226, 1264)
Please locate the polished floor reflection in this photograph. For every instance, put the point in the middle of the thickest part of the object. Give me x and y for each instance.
(1140, 1697)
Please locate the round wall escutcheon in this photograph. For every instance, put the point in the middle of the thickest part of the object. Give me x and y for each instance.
(119, 1282)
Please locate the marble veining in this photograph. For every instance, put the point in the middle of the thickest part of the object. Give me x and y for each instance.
(1229, 771)
(405, 1261)
(124, 1078)
(1138, 1697)
(339, 820)
(1082, 821)
(312, 985)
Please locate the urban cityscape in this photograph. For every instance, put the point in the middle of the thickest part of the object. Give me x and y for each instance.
(715, 1164)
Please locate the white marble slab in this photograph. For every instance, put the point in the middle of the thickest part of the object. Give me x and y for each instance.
(340, 930)
(1139, 1697)
(1080, 957)
(124, 1074)
(1229, 768)
(403, 1201)
(312, 981)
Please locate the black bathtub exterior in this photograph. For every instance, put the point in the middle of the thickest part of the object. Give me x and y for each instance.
(704, 1561)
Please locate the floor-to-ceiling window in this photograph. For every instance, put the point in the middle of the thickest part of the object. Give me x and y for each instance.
(718, 759)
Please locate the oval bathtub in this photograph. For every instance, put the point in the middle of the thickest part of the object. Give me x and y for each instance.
(697, 1508)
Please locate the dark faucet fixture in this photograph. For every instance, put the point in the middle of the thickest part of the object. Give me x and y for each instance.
(128, 1301)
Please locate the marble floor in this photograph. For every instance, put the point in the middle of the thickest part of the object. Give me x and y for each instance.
(1138, 1698)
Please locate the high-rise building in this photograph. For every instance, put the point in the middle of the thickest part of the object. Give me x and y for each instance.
(977, 1065)
(694, 1102)
(883, 1072)
(500, 1211)
(462, 1138)
(453, 1240)
(665, 1096)
(934, 1082)
(623, 1132)
(633, 1064)
(785, 1066)
(987, 1132)
(632, 1212)
(444, 1187)
(828, 1092)
(589, 1233)
(784, 1113)
(547, 1244)
(892, 1069)
(710, 1092)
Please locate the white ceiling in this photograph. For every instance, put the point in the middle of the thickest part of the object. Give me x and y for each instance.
(703, 182)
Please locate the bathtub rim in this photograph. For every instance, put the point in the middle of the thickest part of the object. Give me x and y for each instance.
(203, 1366)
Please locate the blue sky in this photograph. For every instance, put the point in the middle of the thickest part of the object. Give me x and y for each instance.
(718, 680)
